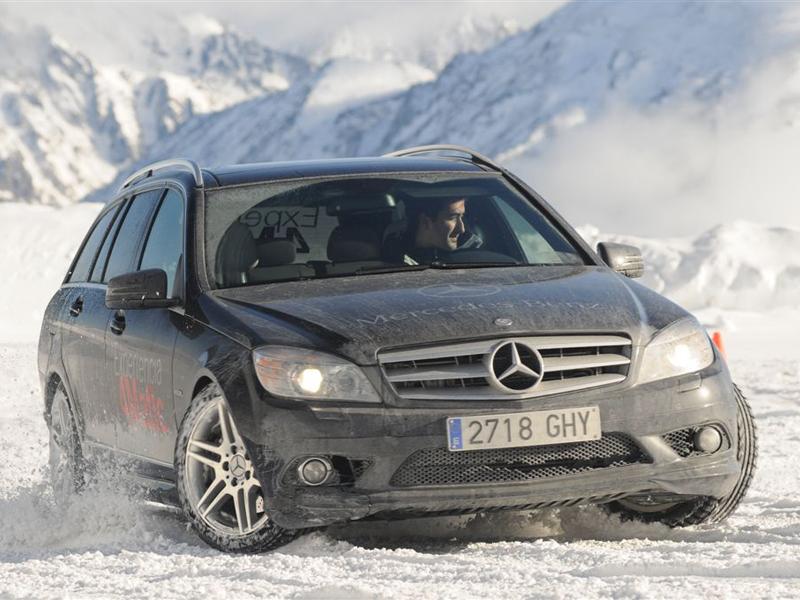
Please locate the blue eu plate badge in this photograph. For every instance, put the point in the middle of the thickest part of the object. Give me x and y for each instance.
(454, 434)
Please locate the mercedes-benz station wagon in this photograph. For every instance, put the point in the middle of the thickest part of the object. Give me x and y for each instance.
(276, 347)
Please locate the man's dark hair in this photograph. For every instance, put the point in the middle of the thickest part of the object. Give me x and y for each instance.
(430, 207)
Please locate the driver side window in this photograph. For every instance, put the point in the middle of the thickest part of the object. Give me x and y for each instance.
(164, 246)
(129, 235)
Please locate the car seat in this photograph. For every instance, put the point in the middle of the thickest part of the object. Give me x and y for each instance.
(353, 247)
(275, 262)
(235, 257)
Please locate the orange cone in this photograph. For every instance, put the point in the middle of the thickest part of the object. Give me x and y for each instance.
(717, 339)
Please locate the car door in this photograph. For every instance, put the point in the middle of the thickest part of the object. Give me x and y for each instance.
(84, 322)
(140, 343)
(86, 327)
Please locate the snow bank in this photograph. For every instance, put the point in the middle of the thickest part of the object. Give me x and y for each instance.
(37, 244)
(740, 265)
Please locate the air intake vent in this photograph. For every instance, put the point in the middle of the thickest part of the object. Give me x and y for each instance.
(438, 466)
(508, 368)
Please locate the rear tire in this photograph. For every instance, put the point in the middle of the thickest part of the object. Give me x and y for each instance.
(704, 509)
(66, 464)
(217, 487)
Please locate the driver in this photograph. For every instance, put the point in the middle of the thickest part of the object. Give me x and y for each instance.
(437, 227)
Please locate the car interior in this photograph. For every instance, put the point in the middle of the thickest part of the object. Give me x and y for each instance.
(359, 226)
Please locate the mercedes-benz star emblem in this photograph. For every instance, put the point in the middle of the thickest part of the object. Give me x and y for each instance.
(238, 465)
(514, 367)
(503, 322)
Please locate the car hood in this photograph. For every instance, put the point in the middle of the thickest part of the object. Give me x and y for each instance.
(357, 316)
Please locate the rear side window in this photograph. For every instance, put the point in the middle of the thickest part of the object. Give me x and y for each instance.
(130, 234)
(164, 245)
(100, 264)
(80, 272)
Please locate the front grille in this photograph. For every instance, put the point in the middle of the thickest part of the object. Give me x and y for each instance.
(439, 466)
(462, 371)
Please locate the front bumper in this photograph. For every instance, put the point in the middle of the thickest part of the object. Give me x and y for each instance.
(384, 437)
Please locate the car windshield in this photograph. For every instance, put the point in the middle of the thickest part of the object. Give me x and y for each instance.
(363, 225)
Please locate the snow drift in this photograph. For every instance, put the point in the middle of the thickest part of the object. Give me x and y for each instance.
(740, 265)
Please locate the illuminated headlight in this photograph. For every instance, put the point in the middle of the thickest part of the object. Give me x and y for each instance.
(297, 373)
(680, 348)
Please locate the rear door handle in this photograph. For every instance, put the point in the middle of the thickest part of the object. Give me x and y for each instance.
(76, 307)
(118, 322)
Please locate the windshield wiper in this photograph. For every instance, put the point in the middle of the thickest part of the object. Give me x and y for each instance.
(396, 269)
(437, 264)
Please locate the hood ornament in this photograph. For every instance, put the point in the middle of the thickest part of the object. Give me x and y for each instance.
(503, 322)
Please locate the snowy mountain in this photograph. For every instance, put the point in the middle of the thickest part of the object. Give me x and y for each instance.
(512, 97)
(696, 89)
(82, 97)
(68, 124)
(433, 50)
(656, 118)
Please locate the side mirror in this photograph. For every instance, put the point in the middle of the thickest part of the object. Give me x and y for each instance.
(140, 289)
(623, 258)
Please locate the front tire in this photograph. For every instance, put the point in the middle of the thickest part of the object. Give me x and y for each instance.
(216, 482)
(704, 509)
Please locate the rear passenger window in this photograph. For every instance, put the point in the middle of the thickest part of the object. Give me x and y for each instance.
(83, 265)
(102, 257)
(130, 234)
(165, 242)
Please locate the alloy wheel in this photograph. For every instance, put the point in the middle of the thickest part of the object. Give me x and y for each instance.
(221, 483)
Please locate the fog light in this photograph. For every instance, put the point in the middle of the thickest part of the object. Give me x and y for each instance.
(315, 471)
(708, 440)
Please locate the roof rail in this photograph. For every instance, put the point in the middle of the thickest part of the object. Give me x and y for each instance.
(475, 157)
(175, 163)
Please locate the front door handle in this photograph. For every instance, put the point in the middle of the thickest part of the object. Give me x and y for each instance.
(118, 322)
(76, 307)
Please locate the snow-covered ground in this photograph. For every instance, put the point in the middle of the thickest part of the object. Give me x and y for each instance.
(108, 545)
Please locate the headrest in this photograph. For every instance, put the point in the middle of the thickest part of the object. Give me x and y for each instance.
(274, 253)
(349, 243)
(236, 255)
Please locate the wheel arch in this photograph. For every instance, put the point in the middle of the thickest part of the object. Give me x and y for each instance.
(203, 381)
(203, 378)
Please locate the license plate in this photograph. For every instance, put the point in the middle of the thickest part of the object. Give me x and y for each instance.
(513, 430)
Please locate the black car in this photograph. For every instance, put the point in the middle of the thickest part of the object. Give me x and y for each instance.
(283, 346)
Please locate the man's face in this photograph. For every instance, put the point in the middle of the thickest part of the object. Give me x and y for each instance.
(442, 232)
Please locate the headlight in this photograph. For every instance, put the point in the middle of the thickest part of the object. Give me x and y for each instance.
(298, 373)
(680, 348)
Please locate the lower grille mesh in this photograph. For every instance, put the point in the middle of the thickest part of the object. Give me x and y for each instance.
(681, 441)
(439, 466)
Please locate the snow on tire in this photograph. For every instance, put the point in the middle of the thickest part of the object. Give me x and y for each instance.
(66, 464)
